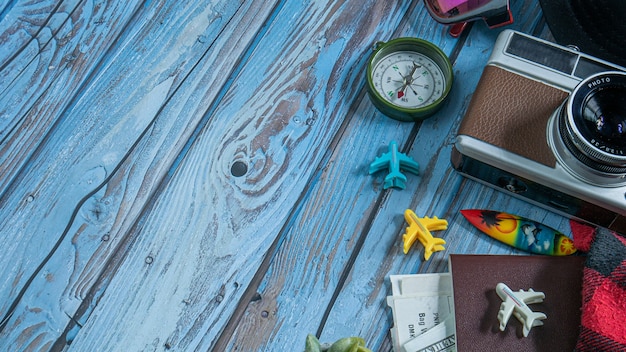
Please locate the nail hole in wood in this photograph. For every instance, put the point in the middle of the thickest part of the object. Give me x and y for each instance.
(238, 169)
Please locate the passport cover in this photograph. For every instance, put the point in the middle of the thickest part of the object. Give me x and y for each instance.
(476, 304)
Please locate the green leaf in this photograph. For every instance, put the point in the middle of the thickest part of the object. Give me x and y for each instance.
(349, 344)
(312, 344)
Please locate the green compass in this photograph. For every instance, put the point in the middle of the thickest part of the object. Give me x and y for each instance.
(408, 78)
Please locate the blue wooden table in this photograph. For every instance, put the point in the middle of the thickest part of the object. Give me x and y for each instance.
(193, 175)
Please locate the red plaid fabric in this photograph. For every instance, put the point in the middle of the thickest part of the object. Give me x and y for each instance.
(603, 318)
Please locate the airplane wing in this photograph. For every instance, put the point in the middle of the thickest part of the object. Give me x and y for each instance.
(380, 163)
(434, 223)
(532, 319)
(530, 296)
(506, 310)
(408, 164)
(410, 236)
(432, 247)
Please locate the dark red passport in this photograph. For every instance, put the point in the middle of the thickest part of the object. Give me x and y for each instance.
(476, 304)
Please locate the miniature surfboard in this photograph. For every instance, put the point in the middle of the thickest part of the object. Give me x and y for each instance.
(520, 232)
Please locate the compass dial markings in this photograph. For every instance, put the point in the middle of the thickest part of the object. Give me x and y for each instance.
(396, 73)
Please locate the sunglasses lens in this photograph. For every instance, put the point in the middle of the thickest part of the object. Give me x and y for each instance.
(495, 12)
(451, 8)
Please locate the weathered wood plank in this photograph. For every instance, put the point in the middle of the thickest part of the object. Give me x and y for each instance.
(49, 50)
(108, 203)
(279, 124)
(13, 166)
(21, 25)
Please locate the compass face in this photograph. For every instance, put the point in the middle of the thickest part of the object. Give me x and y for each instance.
(408, 79)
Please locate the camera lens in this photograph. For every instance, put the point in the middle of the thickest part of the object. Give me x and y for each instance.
(603, 118)
(592, 123)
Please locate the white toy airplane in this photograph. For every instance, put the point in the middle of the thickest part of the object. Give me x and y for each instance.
(516, 303)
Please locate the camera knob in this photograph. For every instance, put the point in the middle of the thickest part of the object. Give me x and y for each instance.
(512, 184)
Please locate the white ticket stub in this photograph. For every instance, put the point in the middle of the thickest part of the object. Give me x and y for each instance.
(407, 285)
(440, 338)
(420, 303)
(415, 315)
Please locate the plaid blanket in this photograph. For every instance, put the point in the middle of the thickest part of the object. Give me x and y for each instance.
(603, 316)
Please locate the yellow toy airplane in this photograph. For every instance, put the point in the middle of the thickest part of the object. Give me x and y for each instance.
(419, 229)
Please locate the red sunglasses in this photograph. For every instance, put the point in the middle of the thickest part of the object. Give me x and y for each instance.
(458, 12)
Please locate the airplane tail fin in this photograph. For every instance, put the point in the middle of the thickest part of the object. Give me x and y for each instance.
(395, 179)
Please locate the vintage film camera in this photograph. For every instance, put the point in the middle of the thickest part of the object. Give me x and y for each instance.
(548, 123)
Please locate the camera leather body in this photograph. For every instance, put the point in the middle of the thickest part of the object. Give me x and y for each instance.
(511, 111)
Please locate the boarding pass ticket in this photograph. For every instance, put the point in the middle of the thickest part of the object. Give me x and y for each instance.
(423, 312)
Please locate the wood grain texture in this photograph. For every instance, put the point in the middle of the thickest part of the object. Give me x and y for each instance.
(49, 52)
(92, 229)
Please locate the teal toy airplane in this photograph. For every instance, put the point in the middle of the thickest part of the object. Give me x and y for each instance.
(394, 161)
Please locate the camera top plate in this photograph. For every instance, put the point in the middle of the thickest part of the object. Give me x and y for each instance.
(538, 59)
